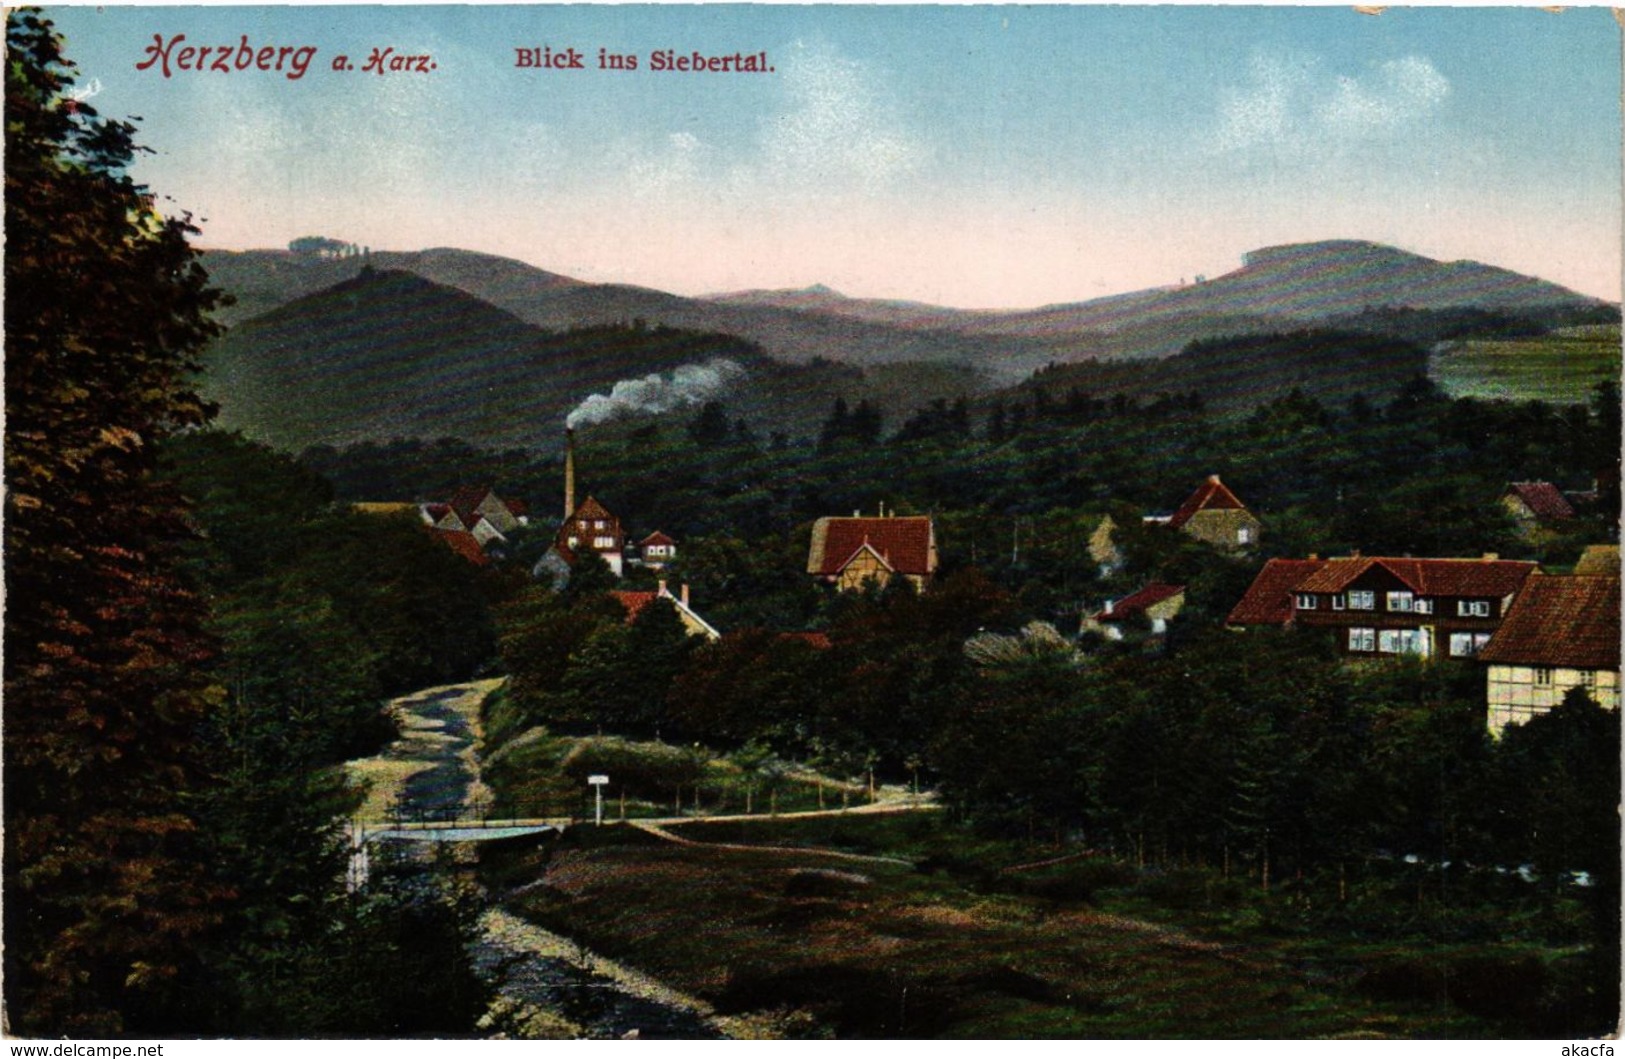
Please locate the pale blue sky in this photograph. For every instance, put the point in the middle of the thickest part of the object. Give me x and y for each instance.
(978, 156)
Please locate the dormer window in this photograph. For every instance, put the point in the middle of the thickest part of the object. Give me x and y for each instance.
(1307, 601)
(1473, 608)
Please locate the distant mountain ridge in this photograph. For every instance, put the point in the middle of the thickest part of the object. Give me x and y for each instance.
(1300, 282)
(1276, 288)
(387, 353)
(446, 342)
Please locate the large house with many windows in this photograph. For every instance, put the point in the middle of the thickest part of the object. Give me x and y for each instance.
(1388, 606)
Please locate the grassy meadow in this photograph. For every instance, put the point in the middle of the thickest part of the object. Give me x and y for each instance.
(1561, 367)
(981, 938)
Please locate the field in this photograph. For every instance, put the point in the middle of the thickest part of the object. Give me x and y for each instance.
(1561, 367)
(538, 773)
(947, 947)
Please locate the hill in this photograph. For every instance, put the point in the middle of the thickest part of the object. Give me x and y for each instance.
(1276, 288)
(262, 280)
(388, 354)
(1241, 372)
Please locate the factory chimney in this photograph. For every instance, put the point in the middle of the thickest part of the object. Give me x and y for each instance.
(569, 472)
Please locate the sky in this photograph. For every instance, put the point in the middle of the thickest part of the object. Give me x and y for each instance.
(984, 157)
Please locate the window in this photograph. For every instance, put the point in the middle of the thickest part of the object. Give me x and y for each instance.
(1543, 676)
(1467, 644)
(575, 541)
(603, 542)
(1307, 601)
(1364, 599)
(1401, 601)
(598, 524)
(1362, 639)
(1473, 608)
(1244, 535)
(1399, 642)
(1423, 606)
(1338, 603)
(1588, 679)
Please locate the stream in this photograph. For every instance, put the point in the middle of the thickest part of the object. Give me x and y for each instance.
(545, 986)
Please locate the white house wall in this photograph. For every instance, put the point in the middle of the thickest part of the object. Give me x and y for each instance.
(1514, 696)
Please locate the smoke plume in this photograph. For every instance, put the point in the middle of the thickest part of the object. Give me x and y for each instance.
(656, 393)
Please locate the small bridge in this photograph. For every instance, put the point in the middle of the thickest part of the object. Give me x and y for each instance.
(451, 828)
(454, 829)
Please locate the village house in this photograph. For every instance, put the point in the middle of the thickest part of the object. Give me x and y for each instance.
(1214, 514)
(693, 624)
(1147, 610)
(1539, 509)
(587, 528)
(1560, 633)
(474, 518)
(591, 528)
(656, 550)
(851, 553)
(1387, 606)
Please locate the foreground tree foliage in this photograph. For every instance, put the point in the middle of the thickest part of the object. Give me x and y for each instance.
(106, 902)
(196, 638)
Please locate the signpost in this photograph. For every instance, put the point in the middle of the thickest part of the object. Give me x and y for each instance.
(598, 798)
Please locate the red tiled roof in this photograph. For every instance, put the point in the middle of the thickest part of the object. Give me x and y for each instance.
(591, 508)
(818, 641)
(518, 508)
(463, 543)
(1543, 499)
(1462, 577)
(634, 602)
(1136, 604)
(1268, 600)
(905, 543)
(1426, 577)
(1560, 621)
(1210, 495)
(655, 538)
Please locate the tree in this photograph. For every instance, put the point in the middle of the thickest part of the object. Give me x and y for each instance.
(710, 427)
(106, 309)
